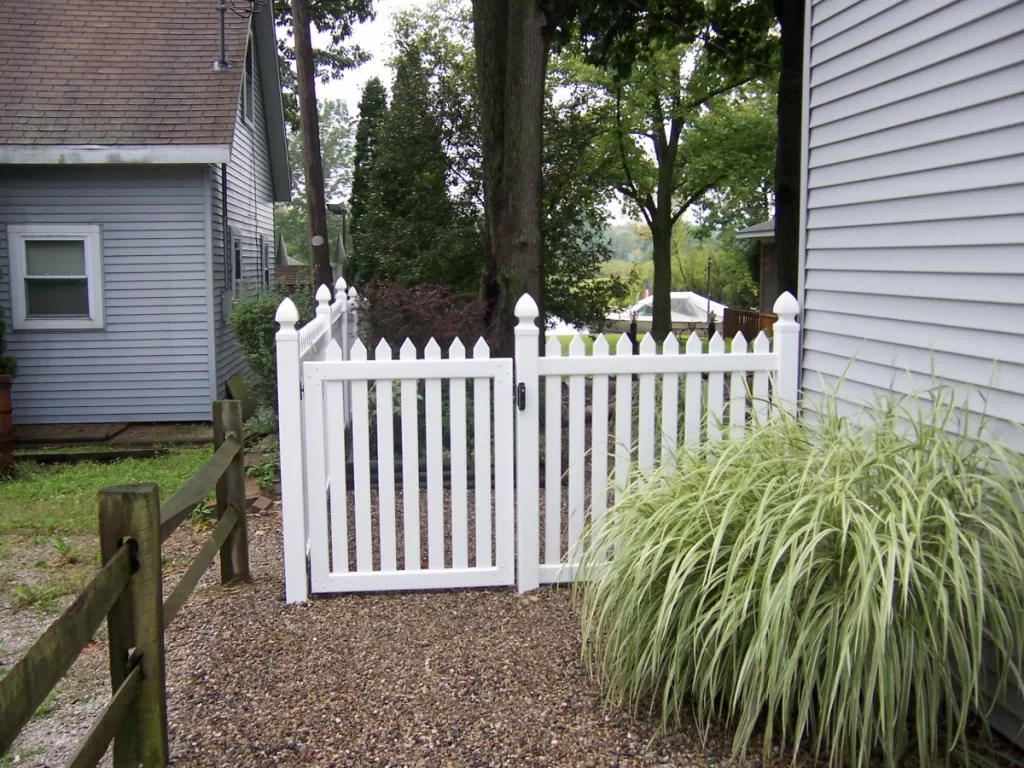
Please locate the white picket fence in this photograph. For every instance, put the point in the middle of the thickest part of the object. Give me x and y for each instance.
(334, 320)
(641, 408)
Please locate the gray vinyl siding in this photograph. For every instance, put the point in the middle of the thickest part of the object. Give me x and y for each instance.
(250, 216)
(914, 221)
(151, 360)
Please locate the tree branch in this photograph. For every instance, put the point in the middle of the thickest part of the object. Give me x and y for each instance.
(689, 201)
(633, 190)
(693, 104)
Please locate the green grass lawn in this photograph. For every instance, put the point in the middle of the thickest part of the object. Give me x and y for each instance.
(61, 498)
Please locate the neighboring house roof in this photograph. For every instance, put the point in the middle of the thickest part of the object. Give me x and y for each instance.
(764, 230)
(109, 81)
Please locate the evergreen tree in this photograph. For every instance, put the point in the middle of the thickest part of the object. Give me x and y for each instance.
(373, 106)
(410, 230)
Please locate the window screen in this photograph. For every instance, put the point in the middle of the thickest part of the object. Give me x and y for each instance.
(56, 283)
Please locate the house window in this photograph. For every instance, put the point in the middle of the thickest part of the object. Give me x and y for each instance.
(236, 266)
(247, 94)
(56, 276)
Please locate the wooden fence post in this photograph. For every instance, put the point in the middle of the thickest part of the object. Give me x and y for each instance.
(234, 554)
(293, 484)
(120, 624)
(527, 444)
(786, 343)
(138, 506)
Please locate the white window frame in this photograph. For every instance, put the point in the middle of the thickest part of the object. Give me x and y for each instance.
(89, 234)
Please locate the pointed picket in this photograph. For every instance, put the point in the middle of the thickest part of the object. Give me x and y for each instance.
(482, 459)
(599, 440)
(716, 392)
(759, 394)
(361, 465)
(386, 465)
(410, 464)
(334, 413)
(577, 452)
(457, 450)
(693, 405)
(738, 391)
(669, 407)
(435, 465)
(646, 414)
(553, 460)
(623, 419)
(334, 416)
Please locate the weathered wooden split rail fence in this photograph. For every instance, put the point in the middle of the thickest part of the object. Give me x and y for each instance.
(128, 591)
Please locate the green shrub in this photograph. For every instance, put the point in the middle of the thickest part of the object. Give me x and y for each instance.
(253, 322)
(831, 584)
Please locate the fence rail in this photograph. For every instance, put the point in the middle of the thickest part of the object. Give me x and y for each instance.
(128, 593)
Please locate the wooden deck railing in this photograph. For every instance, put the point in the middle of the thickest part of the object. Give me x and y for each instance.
(750, 321)
(128, 591)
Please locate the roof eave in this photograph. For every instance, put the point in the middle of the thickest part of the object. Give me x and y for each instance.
(92, 154)
(273, 105)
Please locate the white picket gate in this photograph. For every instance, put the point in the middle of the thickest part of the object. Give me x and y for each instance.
(354, 542)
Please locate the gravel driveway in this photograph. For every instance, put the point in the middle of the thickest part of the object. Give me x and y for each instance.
(457, 678)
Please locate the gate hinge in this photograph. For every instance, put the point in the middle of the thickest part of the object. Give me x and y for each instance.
(302, 391)
(521, 396)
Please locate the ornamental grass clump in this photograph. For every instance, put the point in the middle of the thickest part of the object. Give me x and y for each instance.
(831, 585)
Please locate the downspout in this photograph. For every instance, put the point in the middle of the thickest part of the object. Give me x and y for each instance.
(229, 267)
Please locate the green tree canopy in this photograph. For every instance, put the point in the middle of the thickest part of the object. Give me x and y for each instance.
(373, 106)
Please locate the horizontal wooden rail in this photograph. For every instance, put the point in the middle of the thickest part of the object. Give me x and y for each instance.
(194, 490)
(48, 660)
(198, 567)
(94, 744)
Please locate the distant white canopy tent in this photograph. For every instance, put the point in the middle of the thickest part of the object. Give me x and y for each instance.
(689, 313)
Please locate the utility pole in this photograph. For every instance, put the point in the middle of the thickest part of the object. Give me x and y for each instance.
(309, 125)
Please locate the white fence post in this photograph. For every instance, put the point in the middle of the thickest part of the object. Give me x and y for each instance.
(289, 418)
(323, 314)
(527, 444)
(786, 345)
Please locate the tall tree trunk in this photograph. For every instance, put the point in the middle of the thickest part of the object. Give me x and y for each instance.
(511, 38)
(790, 14)
(490, 41)
(310, 128)
(661, 237)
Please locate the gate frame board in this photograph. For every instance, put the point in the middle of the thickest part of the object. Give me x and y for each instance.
(315, 376)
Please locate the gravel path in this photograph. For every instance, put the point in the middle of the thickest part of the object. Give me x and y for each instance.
(471, 677)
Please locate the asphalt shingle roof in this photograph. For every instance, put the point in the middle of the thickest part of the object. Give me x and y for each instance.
(117, 73)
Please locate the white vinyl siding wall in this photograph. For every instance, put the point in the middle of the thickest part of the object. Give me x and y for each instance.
(250, 215)
(150, 362)
(914, 225)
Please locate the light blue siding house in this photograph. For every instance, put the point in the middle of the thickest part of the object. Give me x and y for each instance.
(912, 257)
(117, 272)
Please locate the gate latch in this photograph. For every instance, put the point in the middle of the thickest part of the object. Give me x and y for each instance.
(521, 396)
